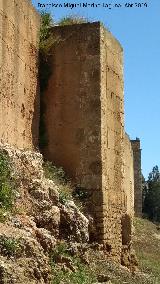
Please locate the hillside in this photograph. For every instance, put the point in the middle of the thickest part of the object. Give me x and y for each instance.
(36, 218)
(44, 234)
(146, 243)
(147, 247)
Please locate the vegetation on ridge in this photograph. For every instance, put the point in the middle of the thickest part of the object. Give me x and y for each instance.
(71, 20)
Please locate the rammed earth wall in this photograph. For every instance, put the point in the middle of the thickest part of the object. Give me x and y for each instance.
(83, 115)
(137, 177)
(84, 120)
(19, 102)
(129, 176)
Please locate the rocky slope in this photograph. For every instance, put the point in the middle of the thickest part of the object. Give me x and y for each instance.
(44, 237)
(36, 223)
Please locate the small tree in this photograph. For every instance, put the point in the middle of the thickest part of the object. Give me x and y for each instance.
(151, 205)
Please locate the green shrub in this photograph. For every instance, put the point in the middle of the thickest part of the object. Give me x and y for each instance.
(45, 38)
(60, 249)
(57, 174)
(3, 215)
(71, 20)
(5, 168)
(6, 195)
(67, 191)
(64, 196)
(10, 246)
(81, 273)
(7, 183)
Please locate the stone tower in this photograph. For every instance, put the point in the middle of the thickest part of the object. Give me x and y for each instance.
(137, 176)
(84, 122)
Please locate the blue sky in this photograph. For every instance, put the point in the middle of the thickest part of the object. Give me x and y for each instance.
(138, 30)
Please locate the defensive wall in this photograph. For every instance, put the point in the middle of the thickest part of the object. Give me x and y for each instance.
(84, 113)
(19, 102)
(84, 121)
(129, 175)
(137, 176)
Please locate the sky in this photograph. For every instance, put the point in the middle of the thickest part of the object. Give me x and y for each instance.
(138, 31)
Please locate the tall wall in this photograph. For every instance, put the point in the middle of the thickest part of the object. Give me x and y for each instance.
(129, 175)
(73, 108)
(19, 25)
(137, 176)
(112, 139)
(83, 114)
(84, 122)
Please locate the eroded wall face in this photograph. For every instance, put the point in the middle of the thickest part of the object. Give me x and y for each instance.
(85, 127)
(112, 143)
(19, 25)
(137, 177)
(128, 176)
(72, 102)
(73, 108)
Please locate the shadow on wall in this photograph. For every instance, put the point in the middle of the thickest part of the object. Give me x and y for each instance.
(36, 114)
(126, 224)
(35, 121)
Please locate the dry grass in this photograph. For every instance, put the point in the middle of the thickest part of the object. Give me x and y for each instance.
(146, 243)
(147, 247)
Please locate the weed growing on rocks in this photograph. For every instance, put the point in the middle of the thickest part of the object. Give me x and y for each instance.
(64, 197)
(59, 177)
(9, 246)
(3, 215)
(54, 173)
(69, 269)
(7, 186)
(67, 191)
